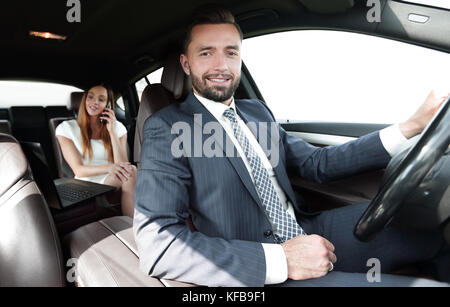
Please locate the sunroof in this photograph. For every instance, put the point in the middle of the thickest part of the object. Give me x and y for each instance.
(436, 3)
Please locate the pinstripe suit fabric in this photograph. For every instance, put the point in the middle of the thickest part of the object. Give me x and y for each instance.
(219, 195)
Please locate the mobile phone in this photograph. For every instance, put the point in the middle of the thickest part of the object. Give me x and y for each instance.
(108, 105)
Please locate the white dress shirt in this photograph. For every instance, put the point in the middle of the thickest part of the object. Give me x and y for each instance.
(276, 264)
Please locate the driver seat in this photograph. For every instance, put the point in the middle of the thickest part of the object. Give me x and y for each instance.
(174, 88)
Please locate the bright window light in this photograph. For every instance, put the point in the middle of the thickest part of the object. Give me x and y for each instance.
(23, 93)
(346, 77)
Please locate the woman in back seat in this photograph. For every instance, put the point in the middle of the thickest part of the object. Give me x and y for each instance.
(95, 145)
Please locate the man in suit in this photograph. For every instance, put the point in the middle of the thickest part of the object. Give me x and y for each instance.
(248, 227)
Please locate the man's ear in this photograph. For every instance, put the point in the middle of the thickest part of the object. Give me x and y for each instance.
(184, 64)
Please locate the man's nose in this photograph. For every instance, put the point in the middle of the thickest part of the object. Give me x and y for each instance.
(220, 62)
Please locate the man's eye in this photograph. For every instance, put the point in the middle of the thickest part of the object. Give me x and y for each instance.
(206, 53)
(232, 53)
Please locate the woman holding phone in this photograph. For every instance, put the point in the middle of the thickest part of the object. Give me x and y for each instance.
(95, 145)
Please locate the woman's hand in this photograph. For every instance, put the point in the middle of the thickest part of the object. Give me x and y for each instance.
(121, 170)
(110, 118)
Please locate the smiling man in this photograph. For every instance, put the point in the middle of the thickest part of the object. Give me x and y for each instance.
(214, 62)
(249, 229)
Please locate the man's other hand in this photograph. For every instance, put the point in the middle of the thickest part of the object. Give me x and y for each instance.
(308, 256)
(417, 123)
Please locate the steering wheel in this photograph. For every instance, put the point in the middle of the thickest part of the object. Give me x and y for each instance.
(406, 177)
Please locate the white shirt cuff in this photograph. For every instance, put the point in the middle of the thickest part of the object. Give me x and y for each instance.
(392, 139)
(276, 264)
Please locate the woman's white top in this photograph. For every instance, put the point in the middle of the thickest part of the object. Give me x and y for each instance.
(71, 130)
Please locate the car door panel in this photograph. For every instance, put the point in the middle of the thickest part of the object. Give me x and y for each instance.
(356, 189)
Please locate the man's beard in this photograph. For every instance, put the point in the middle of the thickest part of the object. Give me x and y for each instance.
(214, 93)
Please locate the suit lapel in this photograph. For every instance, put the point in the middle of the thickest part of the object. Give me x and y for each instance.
(279, 167)
(193, 106)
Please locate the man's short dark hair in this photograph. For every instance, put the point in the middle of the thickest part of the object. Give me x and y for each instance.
(210, 14)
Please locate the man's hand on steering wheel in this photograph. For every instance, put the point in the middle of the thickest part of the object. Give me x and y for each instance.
(417, 122)
(410, 171)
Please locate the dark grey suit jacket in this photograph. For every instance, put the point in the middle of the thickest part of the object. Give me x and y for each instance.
(219, 195)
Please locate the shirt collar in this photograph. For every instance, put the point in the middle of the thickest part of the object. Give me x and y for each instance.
(215, 108)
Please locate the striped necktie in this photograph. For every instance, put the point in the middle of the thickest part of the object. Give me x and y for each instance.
(286, 226)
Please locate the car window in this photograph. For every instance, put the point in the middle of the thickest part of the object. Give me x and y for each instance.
(153, 77)
(343, 77)
(25, 93)
(120, 104)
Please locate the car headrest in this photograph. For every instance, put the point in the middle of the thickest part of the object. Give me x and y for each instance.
(13, 163)
(173, 77)
(74, 101)
(21, 119)
(5, 126)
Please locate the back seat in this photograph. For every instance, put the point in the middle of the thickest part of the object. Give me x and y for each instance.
(63, 169)
(30, 124)
(58, 111)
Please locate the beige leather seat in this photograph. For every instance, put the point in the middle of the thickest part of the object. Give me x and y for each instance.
(107, 256)
(30, 252)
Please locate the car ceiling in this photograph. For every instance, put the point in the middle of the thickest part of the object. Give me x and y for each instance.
(119, 41)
